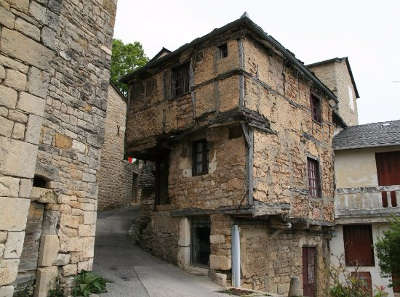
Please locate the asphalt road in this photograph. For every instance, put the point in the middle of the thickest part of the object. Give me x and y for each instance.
(135, 273)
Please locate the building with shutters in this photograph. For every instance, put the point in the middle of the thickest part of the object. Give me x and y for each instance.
(367, 169)
(239, 132)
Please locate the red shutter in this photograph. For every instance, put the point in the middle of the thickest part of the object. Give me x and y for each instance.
(358, 245)
(388, 168)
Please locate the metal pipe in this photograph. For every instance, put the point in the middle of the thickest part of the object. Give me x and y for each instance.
(235, 256)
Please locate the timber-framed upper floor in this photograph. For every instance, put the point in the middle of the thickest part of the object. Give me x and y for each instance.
(236, 78)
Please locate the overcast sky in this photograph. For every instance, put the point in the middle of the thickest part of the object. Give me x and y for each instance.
(368, 32)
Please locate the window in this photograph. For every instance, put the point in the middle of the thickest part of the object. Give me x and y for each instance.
(223, 51)
(358, 245)
(314, 179)
(199, 157)
(40, 181)
(151, 86)
(180, 80)
(315, 103)
(388, 168)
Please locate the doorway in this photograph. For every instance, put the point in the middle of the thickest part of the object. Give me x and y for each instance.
(309, 271)
(200, 239)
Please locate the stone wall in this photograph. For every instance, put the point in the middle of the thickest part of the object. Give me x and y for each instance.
(54, 74)
(270, 258)
(336, 76)
(115, 177)
(280, 158)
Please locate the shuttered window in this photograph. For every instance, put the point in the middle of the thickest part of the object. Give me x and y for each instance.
(358, 245)
(180, 80)
(199, 157)
(314, 179)
(316, 110)
(388, 168)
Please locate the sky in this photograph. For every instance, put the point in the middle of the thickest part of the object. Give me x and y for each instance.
(368, 32)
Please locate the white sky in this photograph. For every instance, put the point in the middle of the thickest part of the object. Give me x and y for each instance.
(368, 32)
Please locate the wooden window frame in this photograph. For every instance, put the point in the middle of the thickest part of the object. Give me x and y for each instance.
(314, 177)
(204, 157)
(180, 80)
(353, 254)
(316, 108)
(223, 51)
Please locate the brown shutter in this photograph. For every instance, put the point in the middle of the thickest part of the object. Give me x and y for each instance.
(309, 271)
(358, 245)
(388, 168)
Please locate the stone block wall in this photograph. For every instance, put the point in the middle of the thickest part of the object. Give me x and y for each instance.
(270, 258)
(54, 75)
(115, 177)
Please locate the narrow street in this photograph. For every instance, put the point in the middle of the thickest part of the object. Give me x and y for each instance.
(135, 273)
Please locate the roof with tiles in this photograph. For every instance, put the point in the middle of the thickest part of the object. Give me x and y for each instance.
(368, 135)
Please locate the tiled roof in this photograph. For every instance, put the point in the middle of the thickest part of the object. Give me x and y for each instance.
(368, 135)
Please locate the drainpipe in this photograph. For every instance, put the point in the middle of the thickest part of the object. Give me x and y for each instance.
(235, 256)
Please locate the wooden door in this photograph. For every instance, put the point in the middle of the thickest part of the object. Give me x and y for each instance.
(309, 271)
(388, 168)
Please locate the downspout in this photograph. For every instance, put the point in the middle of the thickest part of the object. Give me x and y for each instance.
(235, 256)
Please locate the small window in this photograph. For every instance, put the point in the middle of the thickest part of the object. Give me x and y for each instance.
(199, 158)
(223, 50)
(180, 80)
(316, 112)
(40, 182)
(314, 179)
(235, 132)
(358, 245)
(151, 86)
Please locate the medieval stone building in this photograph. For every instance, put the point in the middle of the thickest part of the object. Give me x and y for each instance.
(117, 178)
(54, 77)
(240, 132)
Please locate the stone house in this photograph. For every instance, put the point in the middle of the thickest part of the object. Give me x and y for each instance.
(239, 132)
(54, 76)
(117, 178)
(367, 167)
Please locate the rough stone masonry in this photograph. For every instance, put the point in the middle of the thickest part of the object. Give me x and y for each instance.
(54, 75)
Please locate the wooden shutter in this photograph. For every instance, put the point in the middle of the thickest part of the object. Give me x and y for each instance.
(388, 168)
(309, 271)
(366, 278)
(358, 245)
(314, 179)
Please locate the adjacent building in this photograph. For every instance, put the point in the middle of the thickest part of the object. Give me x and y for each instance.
(367, 168)
(239, 132)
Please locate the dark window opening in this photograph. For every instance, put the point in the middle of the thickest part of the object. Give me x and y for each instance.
(180, 80)
(151, 86)
(162, 173)
(316, 111)
(235, 132)
(200, 157)
(223, 50)
(200, 248)
(40, 182)
(358, 245)
(138, 89)
(314, 179)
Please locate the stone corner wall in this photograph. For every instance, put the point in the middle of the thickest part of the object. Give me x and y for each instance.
(115, 176)
(54, 73)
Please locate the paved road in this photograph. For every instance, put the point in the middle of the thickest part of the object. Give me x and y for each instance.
(135, 273)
